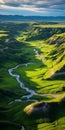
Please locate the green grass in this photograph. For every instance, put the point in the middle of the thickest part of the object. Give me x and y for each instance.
(62, 25)
(3, 35)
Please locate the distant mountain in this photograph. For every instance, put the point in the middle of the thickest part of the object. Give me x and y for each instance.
(32, 18)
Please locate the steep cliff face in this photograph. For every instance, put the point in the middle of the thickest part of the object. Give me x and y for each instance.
(57, 55)
(43, 110)
(36, 108)
(57, 39)
(40, 33)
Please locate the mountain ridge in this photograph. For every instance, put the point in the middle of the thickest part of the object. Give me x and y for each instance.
(32, 18)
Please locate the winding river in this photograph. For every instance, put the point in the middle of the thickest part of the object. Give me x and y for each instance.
(17, 77)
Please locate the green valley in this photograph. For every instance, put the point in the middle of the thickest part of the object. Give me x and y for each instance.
(32, 76)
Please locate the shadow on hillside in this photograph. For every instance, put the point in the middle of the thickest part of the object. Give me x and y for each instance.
(55, 112)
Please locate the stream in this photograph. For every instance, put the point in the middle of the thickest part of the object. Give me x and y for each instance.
(17, 77)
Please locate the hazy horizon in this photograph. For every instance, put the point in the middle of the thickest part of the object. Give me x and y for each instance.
(32, 7)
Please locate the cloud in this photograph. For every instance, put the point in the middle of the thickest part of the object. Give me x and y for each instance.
(37, 4)
(12, 3)
(34, 5)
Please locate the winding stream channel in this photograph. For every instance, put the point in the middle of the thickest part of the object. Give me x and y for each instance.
(17, 77)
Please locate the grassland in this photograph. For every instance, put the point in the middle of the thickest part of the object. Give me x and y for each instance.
(21, 39)
(51, 25)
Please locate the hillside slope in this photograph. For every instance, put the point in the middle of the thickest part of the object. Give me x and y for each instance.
(58, 54)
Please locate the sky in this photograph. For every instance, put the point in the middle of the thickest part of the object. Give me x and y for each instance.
(33, 7)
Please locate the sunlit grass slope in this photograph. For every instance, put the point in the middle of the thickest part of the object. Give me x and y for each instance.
(39, 75)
